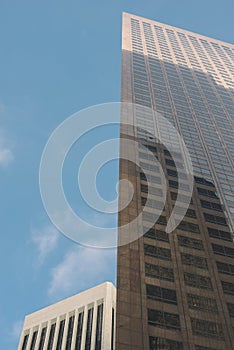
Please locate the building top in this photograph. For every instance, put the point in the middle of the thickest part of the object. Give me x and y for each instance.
(78, 301)
(187, 32)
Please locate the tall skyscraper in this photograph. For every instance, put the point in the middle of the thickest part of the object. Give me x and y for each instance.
(85, 321)
(175, 291)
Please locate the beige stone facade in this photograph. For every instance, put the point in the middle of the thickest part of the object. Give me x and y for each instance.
(83, 321)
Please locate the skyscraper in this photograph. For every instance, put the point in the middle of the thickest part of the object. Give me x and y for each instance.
(83, 321)
(175, 291)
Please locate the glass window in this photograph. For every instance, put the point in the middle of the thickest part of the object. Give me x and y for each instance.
(163, 319)
(161, 294)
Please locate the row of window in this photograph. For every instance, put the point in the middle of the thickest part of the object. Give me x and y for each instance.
(78, 336)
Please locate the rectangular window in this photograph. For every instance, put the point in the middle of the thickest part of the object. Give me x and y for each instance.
(194, 260)
(206, 193)
(98, 345)
(163, 319)
(34, 339)
(230, 309)
(160, 272)
(60, 335)
(227, 269)
(79, 331)
(70, 332)
(190, 242)
(51, 337)
(188, 226)
(161, 294)
(207, 328)
(157, 252)
(201, 303)
(112, 329)
(219, 234)
(199, 347)
(157, 235)
(197, 281)
(219, 220)
(157, 343)
(228, 288)
(222, 250)
(211, 205)
(42, 339)
(89, 330)
(25, 342)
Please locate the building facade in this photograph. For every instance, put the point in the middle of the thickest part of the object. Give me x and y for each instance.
(176, 291)
(85, 321)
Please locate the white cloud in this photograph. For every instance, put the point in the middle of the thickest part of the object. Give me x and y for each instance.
(17, 329)
(46, 240)
(81, 268)
(6, 155)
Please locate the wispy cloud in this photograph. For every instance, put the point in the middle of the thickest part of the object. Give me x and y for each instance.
(6, 155)
(81, 268)
(17, 329)
(46, 241)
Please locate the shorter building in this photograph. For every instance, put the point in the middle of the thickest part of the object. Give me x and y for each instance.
(85, 321)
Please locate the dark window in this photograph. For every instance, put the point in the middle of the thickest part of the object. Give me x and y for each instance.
(201, 180)
(222, 250)
(157, 343)
(175, 154)
(222, 267)
(70, 332)
(199, 347)
(51, 337)
(152, 203)
(34, 339)
(89, 330)
(42, 339)
(112, 329)
(188, 226)
(215, 219)
(25, 342)
(160, 272)
(194, 260)
(206, 328)
(161, 294)
(214, 233)
(228, 287)
(206, 193)
(153, 190)
(151, 218)
(79, 331)
(163, 319)
(190, 242)
(191, 213)
(175, 184)
(211, 205)
(172, 163)
(230, 309)
(182, 199)
(157, 252)
(197, 281)
(98, 345)
(157, 235)
(60, 335)
(200, 303)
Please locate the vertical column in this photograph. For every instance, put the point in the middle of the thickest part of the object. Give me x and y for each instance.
(84, 328)
(65, 332)
(56, 333)
(94, 326)
(73, 344)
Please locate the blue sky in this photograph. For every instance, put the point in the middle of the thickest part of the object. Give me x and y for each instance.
(56, 58)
